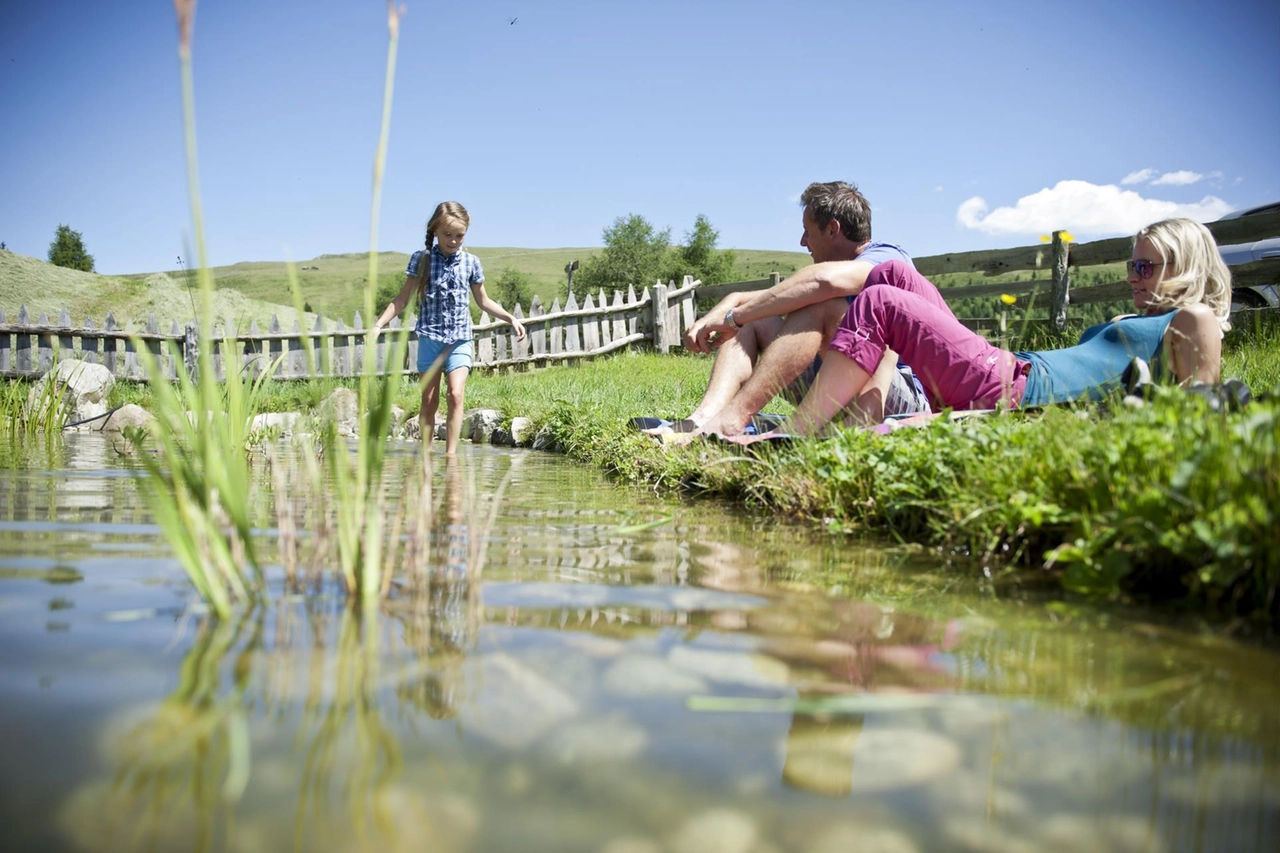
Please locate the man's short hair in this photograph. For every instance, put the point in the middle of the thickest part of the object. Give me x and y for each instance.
(842, 202)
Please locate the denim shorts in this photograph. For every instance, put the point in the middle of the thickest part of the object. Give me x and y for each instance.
(905, 397)
(459, 354)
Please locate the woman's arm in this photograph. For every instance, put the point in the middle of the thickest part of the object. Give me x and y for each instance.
(1193, 345)
(495, 310)
(396, 305)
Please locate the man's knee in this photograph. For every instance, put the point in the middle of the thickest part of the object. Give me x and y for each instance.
(892, 273)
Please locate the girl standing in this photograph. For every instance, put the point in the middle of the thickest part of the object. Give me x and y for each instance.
(443, 275)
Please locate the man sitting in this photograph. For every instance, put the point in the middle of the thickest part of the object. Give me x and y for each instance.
(771, 341)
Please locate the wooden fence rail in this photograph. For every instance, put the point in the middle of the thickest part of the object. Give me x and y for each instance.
(598, 326)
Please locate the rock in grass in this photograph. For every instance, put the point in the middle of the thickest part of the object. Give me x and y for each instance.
(128, 415)
(79, 390)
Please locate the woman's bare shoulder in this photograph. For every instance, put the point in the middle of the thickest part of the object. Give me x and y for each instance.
(1196, 315)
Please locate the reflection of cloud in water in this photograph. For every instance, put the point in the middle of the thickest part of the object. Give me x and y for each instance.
(665, 598)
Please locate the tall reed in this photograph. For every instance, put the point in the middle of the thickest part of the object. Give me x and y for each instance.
(359, 498)
(199, 484)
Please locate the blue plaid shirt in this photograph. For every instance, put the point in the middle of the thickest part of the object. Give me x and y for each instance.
(444, 313)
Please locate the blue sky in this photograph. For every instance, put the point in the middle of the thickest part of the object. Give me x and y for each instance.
(967, 125)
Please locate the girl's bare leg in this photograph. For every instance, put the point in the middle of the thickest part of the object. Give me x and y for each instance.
(430, 403)
(457, 382)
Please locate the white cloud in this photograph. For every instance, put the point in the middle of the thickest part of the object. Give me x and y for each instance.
(1183, 178)
(1139, 177)
(938, 188)
(1083, 209)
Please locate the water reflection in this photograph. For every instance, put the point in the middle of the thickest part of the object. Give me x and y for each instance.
(562, 665)
(438, 598)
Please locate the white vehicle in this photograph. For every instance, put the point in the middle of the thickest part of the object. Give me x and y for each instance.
(1259, 295)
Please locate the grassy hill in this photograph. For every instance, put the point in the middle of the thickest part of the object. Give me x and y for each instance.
(332, 284)
(44, 288)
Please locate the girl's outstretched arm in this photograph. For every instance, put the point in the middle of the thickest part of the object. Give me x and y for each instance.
(1193, 345)
(493, 309)
(397, 305)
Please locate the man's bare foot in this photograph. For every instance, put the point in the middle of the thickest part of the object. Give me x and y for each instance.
(724, 425)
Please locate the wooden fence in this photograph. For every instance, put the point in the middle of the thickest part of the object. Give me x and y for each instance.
(598, 326)
(1059, 256)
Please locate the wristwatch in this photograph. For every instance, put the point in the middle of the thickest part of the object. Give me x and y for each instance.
(728, 318)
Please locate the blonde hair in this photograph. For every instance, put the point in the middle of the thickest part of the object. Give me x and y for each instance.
(444, 210)
(1198, 272)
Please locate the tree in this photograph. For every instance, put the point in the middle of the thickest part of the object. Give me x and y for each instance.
(700, 258)
(67, 250)
(634, 254)
(513, 288)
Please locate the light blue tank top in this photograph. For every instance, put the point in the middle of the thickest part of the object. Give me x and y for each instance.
(1091, 369)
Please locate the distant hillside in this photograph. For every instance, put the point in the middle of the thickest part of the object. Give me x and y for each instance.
(42, 287)
(333, 284)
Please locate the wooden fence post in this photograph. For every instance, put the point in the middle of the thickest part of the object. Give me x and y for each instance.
(23, 354)
(88, 345)
(619, 317)
(253, 367)
(573, 327)
(319, 350)
(131, 371)
(4, 346)
(190, 351)
(519, 349)
(484, 345)
(222, 344)
(591, 328)
(66, 347)
(110, 348)
(556, 342)
(297, 358)
(357, 362)
(658, 321)
(538, 334)
(45, 343)
(1061, 296)
(341, 351)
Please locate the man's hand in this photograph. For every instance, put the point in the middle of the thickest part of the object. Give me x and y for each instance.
(711, 330)
(518, 328)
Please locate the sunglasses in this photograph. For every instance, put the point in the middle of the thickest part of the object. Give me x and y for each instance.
(1144, 269)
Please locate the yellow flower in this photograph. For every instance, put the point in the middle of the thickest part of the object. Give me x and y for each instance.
(1067, 238)
(1044, 238)
(1007, 299)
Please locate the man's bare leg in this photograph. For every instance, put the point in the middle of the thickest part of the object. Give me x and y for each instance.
(804, 333)
(733, 365)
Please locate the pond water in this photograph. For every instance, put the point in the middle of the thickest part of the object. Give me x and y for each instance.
(590, 668)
